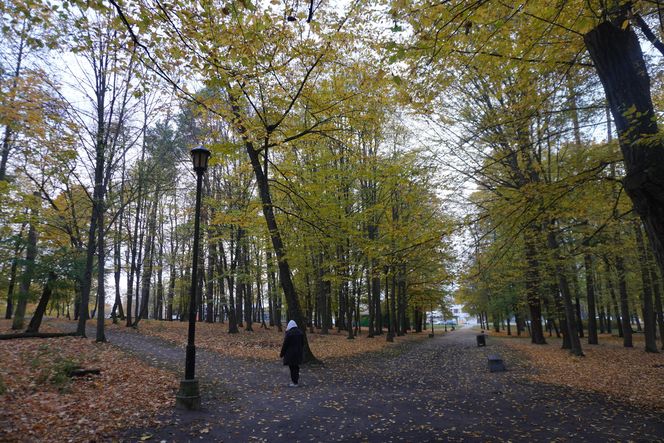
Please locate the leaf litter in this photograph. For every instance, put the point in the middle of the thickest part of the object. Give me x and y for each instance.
(624, 374)
(41, 403)
(265, 344)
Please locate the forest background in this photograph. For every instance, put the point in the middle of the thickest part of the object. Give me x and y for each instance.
(371, 161)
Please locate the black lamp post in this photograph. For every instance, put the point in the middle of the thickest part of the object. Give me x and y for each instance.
(188, 397)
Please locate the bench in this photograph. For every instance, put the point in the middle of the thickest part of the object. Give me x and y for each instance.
(496, 363)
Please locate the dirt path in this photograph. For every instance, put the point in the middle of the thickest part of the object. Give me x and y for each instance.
(439, 389)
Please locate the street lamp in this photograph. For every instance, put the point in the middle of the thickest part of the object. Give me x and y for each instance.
(188, 397)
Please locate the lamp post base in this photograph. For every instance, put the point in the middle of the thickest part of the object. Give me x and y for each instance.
(188, 397)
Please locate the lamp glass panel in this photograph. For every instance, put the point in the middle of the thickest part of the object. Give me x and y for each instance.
(199, 157)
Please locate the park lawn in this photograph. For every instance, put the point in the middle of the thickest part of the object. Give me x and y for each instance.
(265, 344)
(40, 403)
(624, 374)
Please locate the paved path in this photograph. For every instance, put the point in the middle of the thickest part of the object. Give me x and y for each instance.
(437, 390)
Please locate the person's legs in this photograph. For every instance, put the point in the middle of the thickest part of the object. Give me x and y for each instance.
(294, 373)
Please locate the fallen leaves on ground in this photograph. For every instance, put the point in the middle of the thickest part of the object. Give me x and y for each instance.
(265, 344)
(6, 327)
(625, 374)
(40, 403)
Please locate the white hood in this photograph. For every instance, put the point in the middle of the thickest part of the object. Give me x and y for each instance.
(291, 325)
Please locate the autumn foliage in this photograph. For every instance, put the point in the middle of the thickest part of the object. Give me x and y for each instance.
(41, 403)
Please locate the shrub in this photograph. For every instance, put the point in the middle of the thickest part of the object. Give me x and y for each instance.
(61, 371)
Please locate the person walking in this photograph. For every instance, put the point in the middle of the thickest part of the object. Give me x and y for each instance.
(292, 351)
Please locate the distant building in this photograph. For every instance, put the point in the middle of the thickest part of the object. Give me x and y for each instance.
(460, 316)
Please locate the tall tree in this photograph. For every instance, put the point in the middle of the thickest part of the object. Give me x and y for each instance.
(111, 75)
(34, 202)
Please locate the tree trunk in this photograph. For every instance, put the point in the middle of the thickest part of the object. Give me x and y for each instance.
(350, 303)
(401, 303)
(532, 289)
(371, 305)
(393, 308)
(173, 248)
(248, 291)
(117, 247)
(563, 286)
(358, 314)
(101, 271)
(618, 59)
(132, 275)
(590, 295)
(559, 314)
(239, 284)
(418, 320)
(657, 289)
(12, 276)
(221, 271)
(148, 260)
(200, 277)
(294, 310)
(577, 312)
(140, 261)
(83, 312)
(7, 139)
(37, 317)
(260, 306)
(159, 308)
(271, 302)
(28, 271)
(375, 287)
(248, 306)
(389, 308)
(171, 292)
(636, 319)
(117, 270)
(209, 287)
(649, 325)
(232, 287)
(624, 304)
(614, 300)
(278, 309)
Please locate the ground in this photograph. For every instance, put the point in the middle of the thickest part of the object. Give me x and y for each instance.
(625, 374)
(39, 402)
(417, 390)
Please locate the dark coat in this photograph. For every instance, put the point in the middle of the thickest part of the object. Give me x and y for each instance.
(292, 350)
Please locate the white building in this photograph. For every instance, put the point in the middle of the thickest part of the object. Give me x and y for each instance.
(462, 317)
(458, 317)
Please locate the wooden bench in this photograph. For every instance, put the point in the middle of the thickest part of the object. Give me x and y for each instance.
(496, 363)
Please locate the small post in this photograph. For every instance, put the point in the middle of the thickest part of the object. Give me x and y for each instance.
(431, 335)
(481, 340)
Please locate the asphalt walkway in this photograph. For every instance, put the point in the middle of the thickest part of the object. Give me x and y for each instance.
(436, 390)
